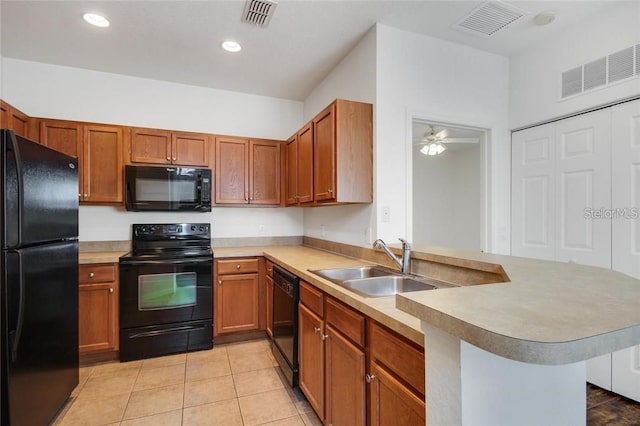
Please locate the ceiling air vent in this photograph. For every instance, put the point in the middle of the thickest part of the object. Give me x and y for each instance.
(572, 82)
(637, 59)
(259, 12)
(488, 18)
(621, 65)
(595, 74)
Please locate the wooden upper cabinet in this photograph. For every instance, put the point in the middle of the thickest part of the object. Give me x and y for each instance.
(155, 146)
(189, 149)
(343, 153)
(299, 160)
(247, 171)
(324, 155)
(102, 164)
(63, 136)
(150, 146)
(264, 165)
(99, 152)
(13, 119)
(232, 170)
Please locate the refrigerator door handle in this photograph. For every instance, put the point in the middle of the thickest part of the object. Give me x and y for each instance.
(20, 180)
(20, 321)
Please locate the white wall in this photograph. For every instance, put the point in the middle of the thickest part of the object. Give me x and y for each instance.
(43, 90)
(446, 82)
(535, 74)
(446, 198)
(353, 78)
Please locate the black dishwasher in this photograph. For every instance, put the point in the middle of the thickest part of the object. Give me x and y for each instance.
(285, 322)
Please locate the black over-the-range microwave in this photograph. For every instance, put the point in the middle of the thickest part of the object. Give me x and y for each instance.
(149, 188)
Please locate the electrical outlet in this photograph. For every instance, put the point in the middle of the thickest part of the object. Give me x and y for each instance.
(386, 214)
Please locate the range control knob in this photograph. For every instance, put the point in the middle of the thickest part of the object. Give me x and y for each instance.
(193, 228)
(201, 229)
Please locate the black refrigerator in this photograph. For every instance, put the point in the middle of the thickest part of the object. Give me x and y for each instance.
(39, 309)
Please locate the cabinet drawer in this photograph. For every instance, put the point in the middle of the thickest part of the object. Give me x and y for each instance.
(311, 297)
(269, 268)
(237, 266)
(88, 274)
(346, 320)
(400, 357)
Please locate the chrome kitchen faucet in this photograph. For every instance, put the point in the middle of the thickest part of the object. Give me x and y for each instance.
(405, 263)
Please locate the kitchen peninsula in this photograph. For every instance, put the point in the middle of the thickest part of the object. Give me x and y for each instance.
(527, 333)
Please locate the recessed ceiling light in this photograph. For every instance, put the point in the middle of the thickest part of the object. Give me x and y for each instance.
(231, 46)
(544, 18)
(95, 19)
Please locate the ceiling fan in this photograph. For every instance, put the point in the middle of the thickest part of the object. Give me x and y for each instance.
(433, 143)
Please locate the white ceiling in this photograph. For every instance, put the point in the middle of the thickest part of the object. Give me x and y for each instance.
(179, 41)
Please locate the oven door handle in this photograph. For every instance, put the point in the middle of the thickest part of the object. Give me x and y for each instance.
(180, 329)
(166, 261)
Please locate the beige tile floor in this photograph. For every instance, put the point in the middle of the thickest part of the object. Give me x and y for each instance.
(234, 384)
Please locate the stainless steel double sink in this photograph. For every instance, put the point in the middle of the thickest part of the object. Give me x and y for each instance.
(376, 281)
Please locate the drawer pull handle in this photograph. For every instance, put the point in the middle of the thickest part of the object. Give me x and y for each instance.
(238, 266)
(316, 330)
(91, 275)
(369, 378)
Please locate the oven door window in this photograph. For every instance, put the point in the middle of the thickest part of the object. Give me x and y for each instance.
(166, 291)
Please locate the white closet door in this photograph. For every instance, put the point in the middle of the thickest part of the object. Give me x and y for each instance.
(532, 193)
(626, 229)
(583, 187)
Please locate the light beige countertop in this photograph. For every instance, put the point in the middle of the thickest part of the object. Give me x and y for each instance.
(550, 313)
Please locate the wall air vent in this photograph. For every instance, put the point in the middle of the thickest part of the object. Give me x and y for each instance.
(595, 74)
(611, 69)
(572, 82)
(621, 65)
(488, 18)
(259, 12)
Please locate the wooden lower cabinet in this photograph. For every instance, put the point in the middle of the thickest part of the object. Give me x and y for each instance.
(344, 380)
(391, 402)
(236, 296)
(332, 365)
(311, 358)
(98, 308)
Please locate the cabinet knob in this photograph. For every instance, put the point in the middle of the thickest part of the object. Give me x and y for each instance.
(168, 158)
(86, 195)
(219, 282)
(324, 337)
(330, 191)
(174, 159)
(369, 377)
(111, 290)
(80, 196)
(238, 266)
(91, 275)
(316, 330)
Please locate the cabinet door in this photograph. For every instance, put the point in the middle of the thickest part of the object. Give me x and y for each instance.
(13, 119)
(189, 149)
(102, 164)
(265, 172)
(305, 165)
(345, 385)
(232, 171)
(533, 193)
(291, 166)
(63, 136)
(311, 358)
(324, 158)
(98, 314)
(150, 146)
(236, 301)
(391, 403)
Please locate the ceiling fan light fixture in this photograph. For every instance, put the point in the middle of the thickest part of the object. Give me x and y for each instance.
(433, 148)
